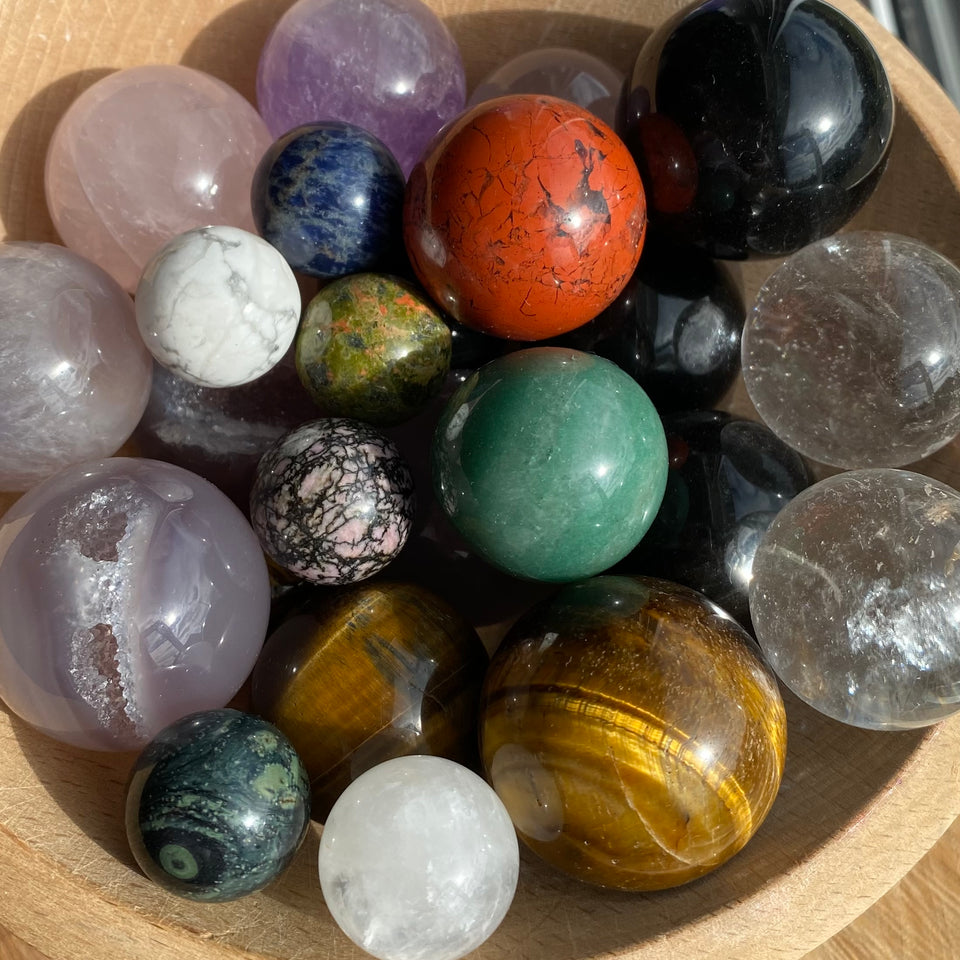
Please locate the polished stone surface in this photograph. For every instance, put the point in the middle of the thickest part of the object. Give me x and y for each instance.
(332, 501)
(786, 109)
(851, 353)
(329, 196)
(855, 598)
(562, 72)
(372, 347)
(132, 592)
(550, 462)
(366, 673)
(525, 218)
(728, 479)
(147, 153)
(389, 66)
(218, 306)
(74, 373)
(217, 805)
(675, 328)
(418, 860)
(633, 733)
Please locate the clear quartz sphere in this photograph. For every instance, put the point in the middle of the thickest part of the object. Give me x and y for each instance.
(855, 598)
(418, 860)
(851, 353)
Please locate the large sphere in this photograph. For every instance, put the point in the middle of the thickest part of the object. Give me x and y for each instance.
(131, 593)
(633, 732)
(855, 598)
(773, 120)
(418, 860)
(74, 373)
(550, 462)
(851, 353)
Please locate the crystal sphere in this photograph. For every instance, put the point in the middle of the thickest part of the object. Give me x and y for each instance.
(132, 592)
(851, 353)
(218, 306)
(147, 153)
(418, 860)
(855, 598)
(74, 373)
(389, 66)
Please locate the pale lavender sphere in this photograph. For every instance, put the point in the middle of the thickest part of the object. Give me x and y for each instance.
(74, 372)
(148, 153)
(132, 592)
(389, 66)
(563, 72)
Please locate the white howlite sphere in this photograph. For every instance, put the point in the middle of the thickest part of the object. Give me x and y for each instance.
(218, 306)
(418, 860)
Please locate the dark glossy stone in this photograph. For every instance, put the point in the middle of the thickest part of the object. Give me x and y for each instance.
(218, 804)
(675, 328)
(787, 109)
(329, 197)
(728, 479)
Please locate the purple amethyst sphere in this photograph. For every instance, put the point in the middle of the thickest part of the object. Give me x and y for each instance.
(389, 66)
(132, 592)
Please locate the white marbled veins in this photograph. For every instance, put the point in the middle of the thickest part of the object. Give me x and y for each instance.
(218, 306)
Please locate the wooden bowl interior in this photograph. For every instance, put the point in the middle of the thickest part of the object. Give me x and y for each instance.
(857, 809)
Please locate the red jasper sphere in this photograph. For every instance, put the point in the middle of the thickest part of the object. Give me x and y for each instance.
(525, 218)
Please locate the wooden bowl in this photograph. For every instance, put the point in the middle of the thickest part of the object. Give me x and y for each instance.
(857, 809)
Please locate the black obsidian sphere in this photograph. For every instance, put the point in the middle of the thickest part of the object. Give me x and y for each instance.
(786, 110)
(728, 479)
(675, 327)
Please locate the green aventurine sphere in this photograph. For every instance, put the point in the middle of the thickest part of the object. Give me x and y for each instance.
(217, 805)
(551, 463)
(373, 348)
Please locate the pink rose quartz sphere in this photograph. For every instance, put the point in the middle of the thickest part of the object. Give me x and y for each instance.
(389, 66)
(132, 592)
(74, 372)
(148, 153)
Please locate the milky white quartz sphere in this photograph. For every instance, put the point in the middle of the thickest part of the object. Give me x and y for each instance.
(74, 373)
(855, 598)
(218, 306)
(418, 860)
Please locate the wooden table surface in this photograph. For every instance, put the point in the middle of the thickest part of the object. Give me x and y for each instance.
(919, 919)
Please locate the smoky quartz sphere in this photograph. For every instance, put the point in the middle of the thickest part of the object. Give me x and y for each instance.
(855, 598)
(851, 353)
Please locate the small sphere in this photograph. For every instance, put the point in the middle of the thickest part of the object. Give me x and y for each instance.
(551, 463)
(316, 64)
(851, 353)
(218, 306)
(785, 111)
(217, 805)
(145, 154)
(132, 592)
(633, 732)
(442, 830)
(561, 72)
(332, 501)
(525, 218)
(372, 347)
(329, 197)
(371, 672)
(74, 373)
(855, 598)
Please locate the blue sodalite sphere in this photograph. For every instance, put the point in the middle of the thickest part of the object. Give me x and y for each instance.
(329, 197)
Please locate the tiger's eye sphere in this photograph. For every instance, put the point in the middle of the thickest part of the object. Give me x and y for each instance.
(633, 733)
(368, 673)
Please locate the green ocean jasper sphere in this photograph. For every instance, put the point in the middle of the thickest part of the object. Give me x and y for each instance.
(373, 348)
(551, 463)
(217, 805)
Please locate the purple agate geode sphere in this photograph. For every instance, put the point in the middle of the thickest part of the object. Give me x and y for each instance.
(132, 592)
(389, 66)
